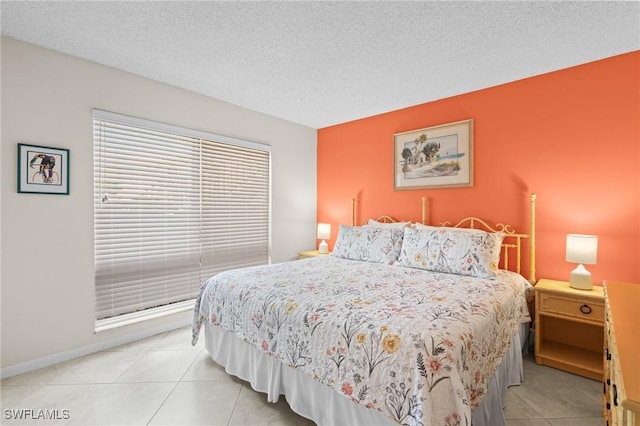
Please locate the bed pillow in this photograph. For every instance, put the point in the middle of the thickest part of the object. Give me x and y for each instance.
(462, 251)
(392, 225)
(422, 227)
(371, 244)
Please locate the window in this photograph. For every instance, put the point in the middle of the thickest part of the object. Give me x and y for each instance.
(172, 207)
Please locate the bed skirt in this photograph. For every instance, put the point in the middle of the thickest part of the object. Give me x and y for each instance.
(322, 404)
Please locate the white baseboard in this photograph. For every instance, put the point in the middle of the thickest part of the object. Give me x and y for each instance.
(35, 364)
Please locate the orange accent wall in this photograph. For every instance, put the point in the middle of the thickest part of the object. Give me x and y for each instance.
(571, 136)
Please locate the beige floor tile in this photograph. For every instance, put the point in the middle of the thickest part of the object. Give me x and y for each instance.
(177, 340)
(199, 403)
(590, 388)
(527, 422)
(204, 368)
(125, 404)
(138, 346)
(12, 396)
(254, 409)
(159, 366)
(591, 421)
(56, 404)
(101, 367)
(41, 376)
(517, 408)
(554, 394)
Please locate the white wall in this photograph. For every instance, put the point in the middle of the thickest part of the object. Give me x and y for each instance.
(47, 240)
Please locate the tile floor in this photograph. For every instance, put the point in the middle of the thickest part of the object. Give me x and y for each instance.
(163, 380)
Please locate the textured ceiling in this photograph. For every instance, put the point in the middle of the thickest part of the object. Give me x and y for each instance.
(324, 63)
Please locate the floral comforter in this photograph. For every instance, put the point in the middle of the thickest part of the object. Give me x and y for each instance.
(415, 345)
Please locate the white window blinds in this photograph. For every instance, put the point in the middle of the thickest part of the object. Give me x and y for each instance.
(172, 207)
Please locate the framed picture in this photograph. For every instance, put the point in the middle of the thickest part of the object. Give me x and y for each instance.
(434, 157)
(43, 170)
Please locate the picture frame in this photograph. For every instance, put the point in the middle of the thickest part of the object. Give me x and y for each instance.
(434, 157)
(43, 169)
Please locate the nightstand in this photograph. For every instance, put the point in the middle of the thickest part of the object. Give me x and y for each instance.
(569, 328)
(310, 253)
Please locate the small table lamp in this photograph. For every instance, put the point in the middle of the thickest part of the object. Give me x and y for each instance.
(324, 233)
(581, 249)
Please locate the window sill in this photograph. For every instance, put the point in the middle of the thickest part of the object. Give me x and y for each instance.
(147, 314)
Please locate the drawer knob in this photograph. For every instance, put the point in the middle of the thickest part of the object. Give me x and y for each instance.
(585, 309)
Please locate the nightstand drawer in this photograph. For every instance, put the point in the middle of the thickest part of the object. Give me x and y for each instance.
(584, 308)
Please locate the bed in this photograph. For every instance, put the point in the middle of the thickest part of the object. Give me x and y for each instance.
(403, 324)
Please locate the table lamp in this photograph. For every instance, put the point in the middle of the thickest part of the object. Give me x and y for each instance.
(581, 249)
(324, 233)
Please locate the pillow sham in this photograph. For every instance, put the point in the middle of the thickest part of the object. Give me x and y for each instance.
(367, 243)
(470, 252)
(422, 227)
(391, 225)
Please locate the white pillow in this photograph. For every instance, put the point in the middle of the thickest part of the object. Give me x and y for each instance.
(420, 226)
(459, 251)
(367, 243)
(432, 228)
(391, 225)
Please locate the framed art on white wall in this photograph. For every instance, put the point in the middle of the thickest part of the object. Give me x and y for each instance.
(43, 170)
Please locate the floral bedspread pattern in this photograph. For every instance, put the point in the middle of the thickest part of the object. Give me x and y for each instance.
(415, 345)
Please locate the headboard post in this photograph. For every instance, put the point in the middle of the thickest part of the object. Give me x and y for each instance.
(532, 241)
(424, 210)
(353, 212)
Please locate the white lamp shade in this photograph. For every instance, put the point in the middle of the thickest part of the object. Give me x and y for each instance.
(324, 231)
(582, 249)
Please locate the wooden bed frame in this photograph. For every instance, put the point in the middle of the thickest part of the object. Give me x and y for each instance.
(513, 240)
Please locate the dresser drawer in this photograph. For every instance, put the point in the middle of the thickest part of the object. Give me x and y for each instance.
(584, 308)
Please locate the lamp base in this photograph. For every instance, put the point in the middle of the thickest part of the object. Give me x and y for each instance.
(581, 278)
(323, 248)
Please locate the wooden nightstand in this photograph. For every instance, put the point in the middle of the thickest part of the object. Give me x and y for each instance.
(310, 253)
(569, 328)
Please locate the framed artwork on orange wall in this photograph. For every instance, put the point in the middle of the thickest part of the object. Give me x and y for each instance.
(434, 157)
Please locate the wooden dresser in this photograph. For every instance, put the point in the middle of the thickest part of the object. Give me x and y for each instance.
(621, 400)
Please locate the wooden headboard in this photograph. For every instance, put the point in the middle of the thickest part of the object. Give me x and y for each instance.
(513, 240)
